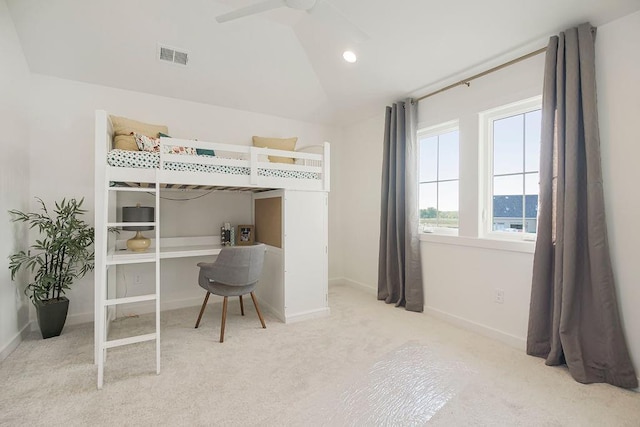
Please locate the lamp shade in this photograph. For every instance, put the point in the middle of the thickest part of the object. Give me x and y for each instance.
(138, 214)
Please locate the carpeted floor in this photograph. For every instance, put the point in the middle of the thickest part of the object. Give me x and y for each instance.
(367, 364)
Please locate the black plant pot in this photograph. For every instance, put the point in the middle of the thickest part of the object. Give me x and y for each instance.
(52, 314)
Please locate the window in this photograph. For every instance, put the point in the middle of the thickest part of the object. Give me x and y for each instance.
(512, 144)
(438, 177)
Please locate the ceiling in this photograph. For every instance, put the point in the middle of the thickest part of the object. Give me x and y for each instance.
(285, 62)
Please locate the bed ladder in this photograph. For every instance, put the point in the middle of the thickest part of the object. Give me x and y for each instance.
(106, 260)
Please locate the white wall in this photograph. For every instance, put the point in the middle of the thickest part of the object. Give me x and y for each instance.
(62, 159)
(14, 178)
(462, 273)
(359, 198)
(618, 68)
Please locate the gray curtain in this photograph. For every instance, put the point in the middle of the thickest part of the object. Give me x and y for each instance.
(399, 268)
(573, 317)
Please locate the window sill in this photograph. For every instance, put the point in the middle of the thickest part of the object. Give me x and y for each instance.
(440, 232)
(494, 244)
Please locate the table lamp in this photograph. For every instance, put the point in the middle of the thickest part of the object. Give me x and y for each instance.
(138, 213)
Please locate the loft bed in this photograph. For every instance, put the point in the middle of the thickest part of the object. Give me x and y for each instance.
(237, 167)
(298, 293)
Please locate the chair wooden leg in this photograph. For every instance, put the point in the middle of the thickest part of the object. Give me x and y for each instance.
(241, 306)
(255, 303)
(204, 304)
(224, 318)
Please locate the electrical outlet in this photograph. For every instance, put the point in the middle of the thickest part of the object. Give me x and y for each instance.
(499, 296)
(137, 279)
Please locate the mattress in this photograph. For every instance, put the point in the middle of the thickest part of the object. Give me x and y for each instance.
(149, 160)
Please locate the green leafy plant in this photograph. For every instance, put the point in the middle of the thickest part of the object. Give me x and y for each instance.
(62, 253)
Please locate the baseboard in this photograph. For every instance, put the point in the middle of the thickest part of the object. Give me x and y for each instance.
(306, 315)
(511, 340)
(146, 307)
(15, 341)
(77, 319)
(336, 281)
(362, 286)
(270, 309)
(72, 319)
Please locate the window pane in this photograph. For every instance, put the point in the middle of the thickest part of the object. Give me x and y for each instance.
(508, 185)
(429, 159)
(507, 203)
(448, 204)
(531, 183)
(449, 159)
(428, 205)
(508, 145)
(507, 213)
(532, 127)
(532, 189)
(531, 213)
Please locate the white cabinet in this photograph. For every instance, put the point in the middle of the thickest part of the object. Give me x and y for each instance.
(295, 275)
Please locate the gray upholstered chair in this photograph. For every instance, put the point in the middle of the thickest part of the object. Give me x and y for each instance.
(235, 272)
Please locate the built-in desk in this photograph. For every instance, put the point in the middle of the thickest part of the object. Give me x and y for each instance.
(170, 247)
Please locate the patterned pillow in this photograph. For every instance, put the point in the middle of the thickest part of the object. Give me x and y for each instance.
(145, 143)
(175, 149)
(199, 151)
(153, 145)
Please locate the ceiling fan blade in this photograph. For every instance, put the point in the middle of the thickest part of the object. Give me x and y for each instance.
(332, 17)
(263, 6)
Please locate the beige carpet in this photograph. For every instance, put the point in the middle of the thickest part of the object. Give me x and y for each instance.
(367, 364)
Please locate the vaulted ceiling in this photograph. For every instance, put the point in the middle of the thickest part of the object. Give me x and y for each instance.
(286, 62)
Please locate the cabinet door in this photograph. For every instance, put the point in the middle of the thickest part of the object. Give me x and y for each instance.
(270, 289)
(305, 259)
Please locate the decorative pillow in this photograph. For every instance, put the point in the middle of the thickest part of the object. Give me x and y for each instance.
(144, 143)
(125, 142)
(123, 130)
(205, 152)
(175, 149)
(288, 144)
(199, 151)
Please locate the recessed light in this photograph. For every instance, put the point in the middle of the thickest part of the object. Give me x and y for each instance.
(349, 56)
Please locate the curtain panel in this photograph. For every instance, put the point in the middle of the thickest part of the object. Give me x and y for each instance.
(573, 315)
(399, 265)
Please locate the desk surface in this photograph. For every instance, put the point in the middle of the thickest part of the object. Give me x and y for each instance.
(125, 256)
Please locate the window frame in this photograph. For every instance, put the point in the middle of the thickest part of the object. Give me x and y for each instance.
(427, 132)
(485, 191)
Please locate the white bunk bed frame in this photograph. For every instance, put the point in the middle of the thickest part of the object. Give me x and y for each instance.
(111, 179)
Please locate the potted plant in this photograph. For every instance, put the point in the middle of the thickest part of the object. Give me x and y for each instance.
(62, 253)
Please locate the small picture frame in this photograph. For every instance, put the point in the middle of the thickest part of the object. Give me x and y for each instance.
(245, 235)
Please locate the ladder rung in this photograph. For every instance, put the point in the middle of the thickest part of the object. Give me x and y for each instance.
(129, 340)
(131, 224)
(127, 300)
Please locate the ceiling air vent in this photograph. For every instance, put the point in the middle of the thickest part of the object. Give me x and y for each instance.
(173, 55)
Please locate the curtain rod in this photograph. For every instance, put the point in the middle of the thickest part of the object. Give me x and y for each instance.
(467, 81)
